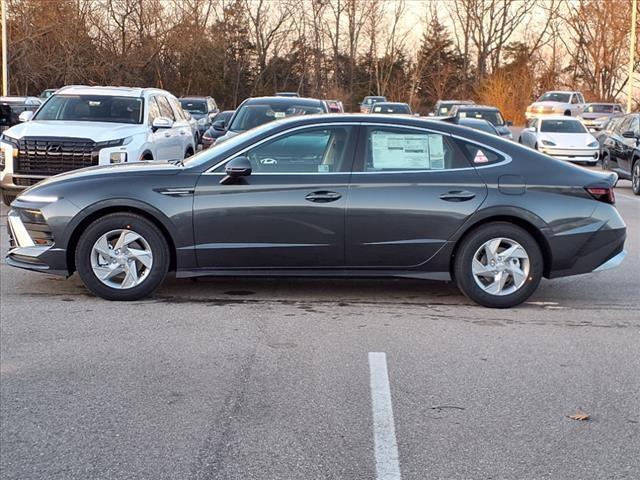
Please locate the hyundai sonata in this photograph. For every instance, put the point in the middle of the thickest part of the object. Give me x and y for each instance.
(330, 195)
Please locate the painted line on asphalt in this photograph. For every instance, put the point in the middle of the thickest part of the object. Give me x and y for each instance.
(626, 197)
(384, 431)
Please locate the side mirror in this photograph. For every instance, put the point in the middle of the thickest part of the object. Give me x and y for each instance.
(592, 130)
(236, 168)
(25, 116)
(220, 125)
(161, 122)
(627, 134)
(509, 123)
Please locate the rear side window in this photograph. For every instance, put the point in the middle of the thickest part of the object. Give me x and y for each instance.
(479, 155)
(154, 111)
(391, 149)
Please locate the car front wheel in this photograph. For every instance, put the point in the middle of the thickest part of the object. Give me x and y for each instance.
(122, 256)
(499, 265)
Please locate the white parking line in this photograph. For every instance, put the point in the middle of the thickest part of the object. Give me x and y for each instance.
(384, 432)
(626, 197)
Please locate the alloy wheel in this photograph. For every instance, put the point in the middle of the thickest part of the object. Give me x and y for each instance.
(121, 259)
(500, 266)
(635, 177)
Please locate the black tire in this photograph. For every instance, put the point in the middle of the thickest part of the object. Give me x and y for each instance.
(604, 161)
(188, 153)
(535, 147)
(7, 198)
(128, 221)
(567, 113)
(635, 176)
(464, 260)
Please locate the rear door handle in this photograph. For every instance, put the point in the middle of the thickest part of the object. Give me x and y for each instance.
(457, 196)
(323, 197)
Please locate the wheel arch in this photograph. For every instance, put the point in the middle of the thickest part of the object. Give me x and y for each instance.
(92, 213)
(531, 224)
(146, 155)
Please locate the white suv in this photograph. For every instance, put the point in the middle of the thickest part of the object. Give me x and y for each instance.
(83, 126)
(559, 102)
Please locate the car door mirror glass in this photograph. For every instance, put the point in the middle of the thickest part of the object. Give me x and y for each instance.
(161, 122)
(25, 116)
(509, 123)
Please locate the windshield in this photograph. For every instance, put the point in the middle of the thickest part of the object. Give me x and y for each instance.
(491, 116)
(555, 97)
(562, 126)
(194, 106)
(595, 108)
(483, 126)
(92, 108)
(251, 116)
(391, 108)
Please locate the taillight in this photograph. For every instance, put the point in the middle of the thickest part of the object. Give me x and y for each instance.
(602, 194)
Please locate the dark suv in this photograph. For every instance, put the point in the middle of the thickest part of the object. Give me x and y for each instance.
(203, 109)
(620, 148)
(489, 113)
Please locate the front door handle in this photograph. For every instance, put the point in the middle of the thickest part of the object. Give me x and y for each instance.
(323, 197)
(457, 196)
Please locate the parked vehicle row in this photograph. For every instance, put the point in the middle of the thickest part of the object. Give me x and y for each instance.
(335, 195)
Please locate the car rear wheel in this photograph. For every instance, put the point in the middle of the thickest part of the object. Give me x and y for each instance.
(635, 177)
(499, 265)
(122, 256)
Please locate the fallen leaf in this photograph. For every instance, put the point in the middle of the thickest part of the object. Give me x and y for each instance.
(580, 415)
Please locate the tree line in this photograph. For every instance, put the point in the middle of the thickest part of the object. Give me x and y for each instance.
(502, 52)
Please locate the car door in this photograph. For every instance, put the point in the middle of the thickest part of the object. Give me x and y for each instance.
(410, 191)
(616, 143)
(628, 145)
(159, 138)
(288, 213)
(182, 126)
(173, 146)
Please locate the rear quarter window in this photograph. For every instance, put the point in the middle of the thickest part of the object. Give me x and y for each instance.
(479, 155)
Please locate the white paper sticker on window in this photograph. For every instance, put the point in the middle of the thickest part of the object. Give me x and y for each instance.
(400, 151)
(436, 152)
(480, 157)
(279, 114)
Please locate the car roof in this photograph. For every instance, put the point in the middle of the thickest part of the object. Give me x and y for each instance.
(561, 91)
(559, 117)
(460, 102)
(21, 100)
(312, 102)
(108, 91)
(195, 97)
(613, 104)
(471, 120)
(391, 103)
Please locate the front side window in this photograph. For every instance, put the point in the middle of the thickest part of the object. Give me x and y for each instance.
(575, 99)
(179, 112)
(399, 150)
(562, 126)
(391, 109)
(92, 108)
(315, 150)
(165, 108)
(154, 111)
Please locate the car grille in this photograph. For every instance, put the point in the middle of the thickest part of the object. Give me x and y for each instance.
(26, 181)
(50, 156)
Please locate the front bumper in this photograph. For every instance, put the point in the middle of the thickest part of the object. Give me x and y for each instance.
(31, 246)
(572, 155)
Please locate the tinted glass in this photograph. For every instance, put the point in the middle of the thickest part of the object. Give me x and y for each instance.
(224, 116)
(479, 155)
(154, 111)
(250, 116)
(92, 108)
(398, 150)
(316, 150)
(391, 109)
(555, 97)
(165, 108)
(370, 100)
(596, 108)
(194, 106)
(562, 126)
(482, 126)
(491, 116)
(178, 111)
(634, 126)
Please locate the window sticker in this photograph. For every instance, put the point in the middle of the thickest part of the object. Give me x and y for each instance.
(400, 151)
(480, 157)
(436, 152)
(462, 114)
(279, 114)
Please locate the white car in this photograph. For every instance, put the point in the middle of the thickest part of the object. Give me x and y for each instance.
(561, 137)
(559, 102)
(80, 126)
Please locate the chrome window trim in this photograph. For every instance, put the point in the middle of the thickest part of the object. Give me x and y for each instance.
(507, 158)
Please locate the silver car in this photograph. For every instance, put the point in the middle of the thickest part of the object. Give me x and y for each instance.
(595, 115)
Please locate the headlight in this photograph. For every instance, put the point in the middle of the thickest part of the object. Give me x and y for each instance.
(10, 140)
(30, 197)
(592, 144)
(203, 121)
(549, 143)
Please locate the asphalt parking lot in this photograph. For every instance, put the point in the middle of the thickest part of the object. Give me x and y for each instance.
(273, 379)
